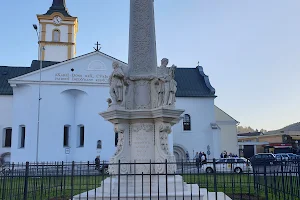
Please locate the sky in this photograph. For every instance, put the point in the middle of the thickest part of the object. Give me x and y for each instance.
(250, 49)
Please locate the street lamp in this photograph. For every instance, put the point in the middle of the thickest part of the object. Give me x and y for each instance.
(41, 48)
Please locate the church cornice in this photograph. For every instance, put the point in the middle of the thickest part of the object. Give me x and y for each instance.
(206, 80)
(50, 17)
(15, 83)
(57, 43)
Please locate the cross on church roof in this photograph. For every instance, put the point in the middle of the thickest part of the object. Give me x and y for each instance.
(98, 46)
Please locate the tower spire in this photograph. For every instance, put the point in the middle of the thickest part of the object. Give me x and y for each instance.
(58, 6)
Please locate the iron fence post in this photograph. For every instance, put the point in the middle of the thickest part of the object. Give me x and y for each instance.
(26, 181)
(266, 182)
(215, 178)
(72, 179)
(166, 168)
(119, 178)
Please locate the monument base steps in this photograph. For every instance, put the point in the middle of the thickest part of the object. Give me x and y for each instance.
(145, 187)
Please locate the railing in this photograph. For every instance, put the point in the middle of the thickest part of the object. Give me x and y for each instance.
(36, 181)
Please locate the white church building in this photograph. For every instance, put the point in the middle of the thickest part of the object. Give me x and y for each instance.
(52, 114)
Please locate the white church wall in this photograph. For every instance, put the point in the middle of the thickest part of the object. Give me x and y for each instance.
(6, 107)
(73, 103)
(56, 53)
(228, 127)
(60, 108)
(201, 111)
(229, 138)
(25, 105)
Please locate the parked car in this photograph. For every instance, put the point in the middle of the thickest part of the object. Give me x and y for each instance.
(263, 159)
(4, 170)
(286, 157)
(281, 157)
(237, 165)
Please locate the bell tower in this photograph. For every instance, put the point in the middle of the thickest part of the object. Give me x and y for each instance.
(58, 31)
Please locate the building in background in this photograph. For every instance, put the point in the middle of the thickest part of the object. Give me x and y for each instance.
(74, 90)
(284, 140)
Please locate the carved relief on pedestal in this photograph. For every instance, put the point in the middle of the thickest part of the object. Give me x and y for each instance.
(142, 94)
(113, 168)
(120, 152)
(120, 144)
(142, 146)
(164, 130)
(129, 93)
(162, 149)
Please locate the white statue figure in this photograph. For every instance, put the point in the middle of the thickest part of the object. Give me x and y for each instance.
(116, 81)
(162, 77)
(173, 86)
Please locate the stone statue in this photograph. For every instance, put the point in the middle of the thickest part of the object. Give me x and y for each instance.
(173, 86)
(116, 81)
(167, 86)
(162, 77)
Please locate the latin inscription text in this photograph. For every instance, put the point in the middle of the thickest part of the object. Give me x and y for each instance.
(85, 78)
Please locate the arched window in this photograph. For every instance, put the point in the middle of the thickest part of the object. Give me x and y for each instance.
(7, 137)
(80, 135)
(66, 135)
(22, 132)
(99, 144)
(187, 122)
(56, 35)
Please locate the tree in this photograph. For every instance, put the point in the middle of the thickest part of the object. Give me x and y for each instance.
(263, 130)
(247, 129)
(244, 129)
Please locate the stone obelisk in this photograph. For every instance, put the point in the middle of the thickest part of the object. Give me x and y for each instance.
(142, 109)
(142, 58)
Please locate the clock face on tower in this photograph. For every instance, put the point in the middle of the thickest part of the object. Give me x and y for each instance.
(57, 20)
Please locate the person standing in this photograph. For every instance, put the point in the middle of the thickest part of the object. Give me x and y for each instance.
(197, 159)
(187, 156)
(97, 163)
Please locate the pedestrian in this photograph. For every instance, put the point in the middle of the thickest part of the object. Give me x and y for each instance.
(97, 163)
(203, 158)
(197, 159)
(187, 156)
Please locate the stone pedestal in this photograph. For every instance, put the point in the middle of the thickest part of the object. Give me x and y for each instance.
(143, 138)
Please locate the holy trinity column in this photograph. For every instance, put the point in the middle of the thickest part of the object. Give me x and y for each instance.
(142, 108)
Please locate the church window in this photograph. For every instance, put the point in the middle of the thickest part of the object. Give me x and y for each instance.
(22, 137)
(81, 136)
(7, 137)
(99, 144)
(66, 135)
(56, 35)
(187, 122)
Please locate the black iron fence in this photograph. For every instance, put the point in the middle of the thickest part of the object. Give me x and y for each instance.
(216, 179)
